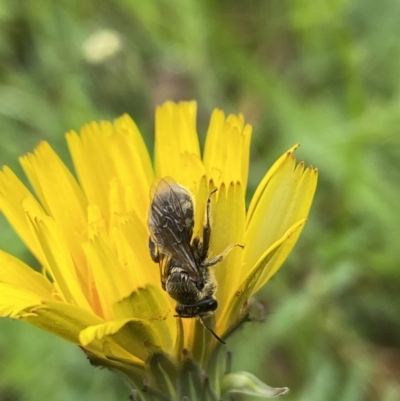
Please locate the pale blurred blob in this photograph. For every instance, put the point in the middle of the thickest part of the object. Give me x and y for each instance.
(101, 46)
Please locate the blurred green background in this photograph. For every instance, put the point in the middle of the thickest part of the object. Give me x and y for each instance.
(322, 73)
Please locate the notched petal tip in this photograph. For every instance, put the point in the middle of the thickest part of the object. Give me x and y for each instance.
(39, 147)
(290, 152)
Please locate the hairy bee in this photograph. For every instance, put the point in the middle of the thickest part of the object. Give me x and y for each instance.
(184, 267)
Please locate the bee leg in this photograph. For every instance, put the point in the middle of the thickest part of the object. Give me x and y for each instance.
(211, 330)
(221, 256)
(205, 244)
(197, 247)
(155, 256)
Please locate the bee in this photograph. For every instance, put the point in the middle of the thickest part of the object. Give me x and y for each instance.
(183, 259)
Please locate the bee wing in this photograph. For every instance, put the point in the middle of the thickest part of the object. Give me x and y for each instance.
(171, 221)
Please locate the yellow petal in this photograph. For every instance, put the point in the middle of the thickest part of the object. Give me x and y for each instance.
(132, 163)
(16, 302)
(290, 238)
(109, 335)
(251, 282)
(151, 304)
(65, 321)
(68, 322)
(191, 171)
(61, 319)
(133, 253)
(176, 136)
(118, 207)
(103, 153)
(59, 261)
(284, 198)
(13, 271)
(144, 303)
(263, 184)
(228, 215)
(131, 336)
(93, 165)
(67, 204)
(132, 149)
(13, 195)
(226, 152)
(110, 282)
(96, 223)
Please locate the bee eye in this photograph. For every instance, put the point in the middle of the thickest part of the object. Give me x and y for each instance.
(200, 285)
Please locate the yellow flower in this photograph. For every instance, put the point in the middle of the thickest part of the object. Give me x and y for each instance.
(99, 287)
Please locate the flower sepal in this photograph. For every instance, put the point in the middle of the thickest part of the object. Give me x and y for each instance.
(131, 372)
(162, 373)
(247, 383)
(168, 379)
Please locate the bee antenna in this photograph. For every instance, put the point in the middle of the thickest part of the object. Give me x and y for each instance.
(211, 330)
